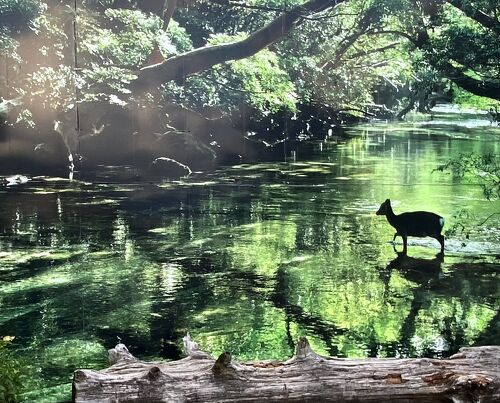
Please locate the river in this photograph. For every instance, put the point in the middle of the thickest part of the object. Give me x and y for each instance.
(249, 258)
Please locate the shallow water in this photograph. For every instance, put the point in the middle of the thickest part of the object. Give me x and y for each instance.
(251, 257)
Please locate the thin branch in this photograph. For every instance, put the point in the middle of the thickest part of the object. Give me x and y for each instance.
(331, 15)
(350, 40)
(229, 3)
(393, 32)
(343, 48)
(371, 51)
(487, 218)
(371, 65)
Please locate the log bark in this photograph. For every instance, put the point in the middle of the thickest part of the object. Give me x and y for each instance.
(471, 375)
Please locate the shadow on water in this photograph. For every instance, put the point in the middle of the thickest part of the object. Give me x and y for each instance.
(417, 270)
(422, 272)
(463, 282)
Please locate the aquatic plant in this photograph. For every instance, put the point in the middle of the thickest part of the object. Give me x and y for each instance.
(10, 373)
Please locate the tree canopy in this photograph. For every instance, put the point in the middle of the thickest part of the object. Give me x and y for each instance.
(269, 56)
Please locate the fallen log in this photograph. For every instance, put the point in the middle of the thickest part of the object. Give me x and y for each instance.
(471, 375)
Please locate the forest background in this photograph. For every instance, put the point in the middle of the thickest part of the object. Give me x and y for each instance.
(185, 85)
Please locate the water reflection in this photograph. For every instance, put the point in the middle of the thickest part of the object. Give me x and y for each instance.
(417, 270)
(247, 259)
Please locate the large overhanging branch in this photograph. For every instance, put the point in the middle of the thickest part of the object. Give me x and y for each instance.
(484, 19)
(484, 88)
(179, 67)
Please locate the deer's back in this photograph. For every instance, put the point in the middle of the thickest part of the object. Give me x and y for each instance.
(419, 223)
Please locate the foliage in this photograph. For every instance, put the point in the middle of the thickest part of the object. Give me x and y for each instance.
(267, 86)
(458, 37)
(10, 373)
(352, 56)
(258, 81)
(112, 43)
(18, 15)
(339, 34)
(208, 19)
(45, 91)
(466, 42)
(119, 37)
(179, 38)
(344, 59)
(197, 91)
(484, 168)
(7, 43)
(466, 99)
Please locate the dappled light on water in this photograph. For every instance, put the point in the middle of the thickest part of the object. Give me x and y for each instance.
(249, 258)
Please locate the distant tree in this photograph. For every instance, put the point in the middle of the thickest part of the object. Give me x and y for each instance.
(461, 39)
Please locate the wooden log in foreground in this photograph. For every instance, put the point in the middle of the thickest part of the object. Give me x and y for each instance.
(471, 375)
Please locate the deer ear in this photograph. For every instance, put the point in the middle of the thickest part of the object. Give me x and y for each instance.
(387, 201)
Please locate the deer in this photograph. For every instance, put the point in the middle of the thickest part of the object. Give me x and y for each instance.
(414, 223)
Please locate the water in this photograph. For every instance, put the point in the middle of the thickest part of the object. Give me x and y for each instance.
(251, 257)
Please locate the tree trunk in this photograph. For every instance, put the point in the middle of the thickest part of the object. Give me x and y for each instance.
(472, 375)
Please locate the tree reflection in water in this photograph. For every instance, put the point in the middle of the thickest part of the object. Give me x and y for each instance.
(246, 259)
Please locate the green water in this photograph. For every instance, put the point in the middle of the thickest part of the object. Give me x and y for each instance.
(251, 257)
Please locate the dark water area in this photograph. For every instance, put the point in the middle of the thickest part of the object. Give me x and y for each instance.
(249, 258)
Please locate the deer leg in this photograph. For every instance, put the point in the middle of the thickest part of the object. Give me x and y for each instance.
(394, 248)
(440, 238)
(404, 243)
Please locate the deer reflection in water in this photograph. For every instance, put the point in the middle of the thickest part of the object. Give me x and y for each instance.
(421, 271)
(416, 268)
(426, 275)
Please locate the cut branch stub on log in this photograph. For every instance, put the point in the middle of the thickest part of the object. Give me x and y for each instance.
(472, 375)
(120, 353)
(193, 350)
